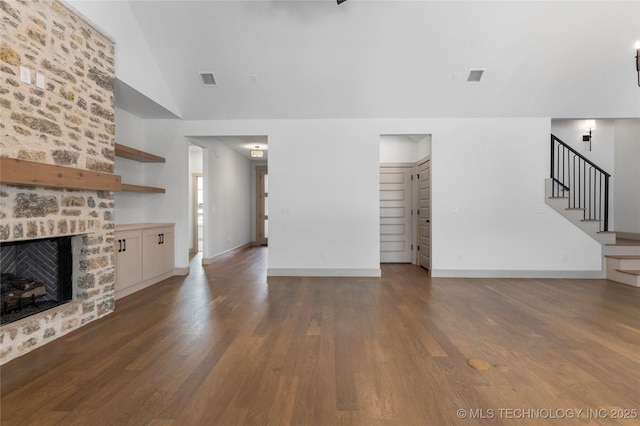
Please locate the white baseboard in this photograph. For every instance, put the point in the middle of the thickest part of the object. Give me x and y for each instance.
(210, 260)
(486, 273)
(303, 272)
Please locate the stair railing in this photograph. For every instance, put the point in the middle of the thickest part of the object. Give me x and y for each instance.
(585, 184)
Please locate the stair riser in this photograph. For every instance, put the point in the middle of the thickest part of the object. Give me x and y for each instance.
(622, 250)
(632, 264)
(633, 280)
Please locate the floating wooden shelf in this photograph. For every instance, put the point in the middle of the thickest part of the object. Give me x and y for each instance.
(140, 188)
(137, 155)
(142, 157)
(31, 173)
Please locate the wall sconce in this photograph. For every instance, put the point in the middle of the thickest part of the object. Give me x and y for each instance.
(257, 153)
(638, 60)
(590, 125)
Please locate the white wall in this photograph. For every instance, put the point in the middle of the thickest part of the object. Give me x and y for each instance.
(489, 213)
(627, 174)
(602, 142)
(227, 201)
(129, 132)
(165, 138)
(324, 196)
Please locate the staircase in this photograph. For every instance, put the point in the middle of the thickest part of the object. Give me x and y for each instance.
(623, 261)
(579, 191)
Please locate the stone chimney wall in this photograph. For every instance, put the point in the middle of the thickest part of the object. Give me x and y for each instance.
(70, 122)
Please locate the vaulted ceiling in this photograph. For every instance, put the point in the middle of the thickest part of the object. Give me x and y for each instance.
(396, 59)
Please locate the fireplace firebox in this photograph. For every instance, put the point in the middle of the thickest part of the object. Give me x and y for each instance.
(36, 276)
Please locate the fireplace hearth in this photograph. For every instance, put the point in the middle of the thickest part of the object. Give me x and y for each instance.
(36, 276)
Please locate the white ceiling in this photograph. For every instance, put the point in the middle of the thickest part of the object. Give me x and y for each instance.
(393, 59)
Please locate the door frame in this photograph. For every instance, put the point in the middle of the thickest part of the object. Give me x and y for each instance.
(260, 195)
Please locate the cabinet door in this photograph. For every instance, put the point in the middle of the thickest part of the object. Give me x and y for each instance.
(128, 248)
(152, 249)
(168, 251)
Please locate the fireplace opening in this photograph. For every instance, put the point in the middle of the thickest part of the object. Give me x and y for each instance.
(36, 276)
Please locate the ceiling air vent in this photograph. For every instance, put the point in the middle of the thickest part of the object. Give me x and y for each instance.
(475, 74)
(208, 79)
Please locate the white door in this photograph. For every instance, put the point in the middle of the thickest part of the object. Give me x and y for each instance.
(395, 214)
(424, 214)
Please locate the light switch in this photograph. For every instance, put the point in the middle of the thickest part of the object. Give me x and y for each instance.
(40, 80)
(25, 75)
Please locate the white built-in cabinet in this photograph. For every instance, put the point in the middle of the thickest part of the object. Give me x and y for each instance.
(145, 255)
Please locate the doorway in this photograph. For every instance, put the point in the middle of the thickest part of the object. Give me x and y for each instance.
(405, 199)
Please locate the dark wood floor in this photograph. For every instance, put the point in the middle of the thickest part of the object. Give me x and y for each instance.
(226, 346)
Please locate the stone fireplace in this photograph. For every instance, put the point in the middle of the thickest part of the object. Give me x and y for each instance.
(67, 121)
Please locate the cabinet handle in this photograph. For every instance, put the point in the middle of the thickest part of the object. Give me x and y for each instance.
(119, 246)
(124, 245)
(162, 236)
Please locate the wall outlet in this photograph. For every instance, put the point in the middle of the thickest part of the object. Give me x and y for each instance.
(323, 254)
(287, 210)
(25, 75)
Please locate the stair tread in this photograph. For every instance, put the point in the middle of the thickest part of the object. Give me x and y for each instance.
(622, 256)
(629, 271)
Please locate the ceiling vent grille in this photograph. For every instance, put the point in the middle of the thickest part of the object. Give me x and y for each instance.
(475, 74)
(208, 79)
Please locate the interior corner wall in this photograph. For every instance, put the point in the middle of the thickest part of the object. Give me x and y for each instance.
(627, 176)
(129, 132)
(166, 139)
(602, 151)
